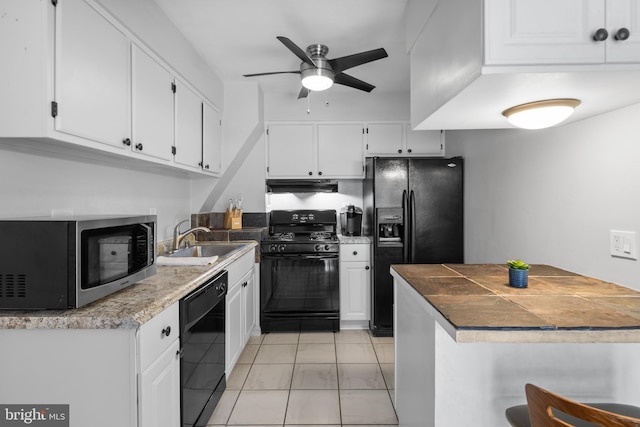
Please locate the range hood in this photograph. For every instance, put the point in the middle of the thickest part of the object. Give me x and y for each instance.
(302, 185)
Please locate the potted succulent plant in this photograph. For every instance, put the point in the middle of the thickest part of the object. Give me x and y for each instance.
(518, 273)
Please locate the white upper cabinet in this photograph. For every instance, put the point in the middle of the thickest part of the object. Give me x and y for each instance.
(152, 101)
(211, 140)
(92, 71)
(561, 32)
(398, 139)
(290, 151)
(466, 68)
(314, 151)
(188, 141)
(80, 77)
(340, 151)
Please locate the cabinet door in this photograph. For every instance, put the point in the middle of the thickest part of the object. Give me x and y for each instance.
(152, 104)
(340, 152)
(384, 139)
(290, 151)
(188, 127)
(234, 326)
(248, 305)
(211, 140)
(424, 142)
(543, 32)
(623, 14)
(159, 404)
(355, 285)
(92, 69)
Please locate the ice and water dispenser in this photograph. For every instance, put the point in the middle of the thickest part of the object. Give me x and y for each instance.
(390, 226)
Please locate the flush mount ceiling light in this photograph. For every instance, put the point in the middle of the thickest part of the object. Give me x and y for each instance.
(541, 114)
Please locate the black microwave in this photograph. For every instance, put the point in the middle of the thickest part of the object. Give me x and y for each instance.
(59, 263)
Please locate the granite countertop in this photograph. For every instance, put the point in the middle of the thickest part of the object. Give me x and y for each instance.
(354, 239)
(478, 298)
(128, 308)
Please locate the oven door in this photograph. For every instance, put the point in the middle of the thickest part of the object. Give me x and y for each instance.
(299, 292)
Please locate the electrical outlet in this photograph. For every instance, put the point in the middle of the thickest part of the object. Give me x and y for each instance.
(623, 244)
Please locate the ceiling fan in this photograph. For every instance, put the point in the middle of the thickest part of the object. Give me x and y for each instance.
(319, 73)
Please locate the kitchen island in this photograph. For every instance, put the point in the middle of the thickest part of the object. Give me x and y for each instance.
(467, 342)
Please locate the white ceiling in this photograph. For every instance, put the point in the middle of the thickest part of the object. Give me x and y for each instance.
(237, 37)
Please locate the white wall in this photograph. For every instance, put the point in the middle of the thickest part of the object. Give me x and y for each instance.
(37, 184)
(551, 196)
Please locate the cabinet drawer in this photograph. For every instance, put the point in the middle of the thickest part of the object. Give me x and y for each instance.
(239, 268)
(355, 252)
(158, 334)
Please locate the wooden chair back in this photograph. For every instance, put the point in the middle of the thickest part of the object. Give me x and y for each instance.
(541, 403)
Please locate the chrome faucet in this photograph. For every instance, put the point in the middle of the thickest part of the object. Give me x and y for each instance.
(178, 237)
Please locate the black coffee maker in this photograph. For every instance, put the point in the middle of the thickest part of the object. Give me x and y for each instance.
(351, 220)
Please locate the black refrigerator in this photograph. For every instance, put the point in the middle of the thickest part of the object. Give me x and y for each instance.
(413, 210)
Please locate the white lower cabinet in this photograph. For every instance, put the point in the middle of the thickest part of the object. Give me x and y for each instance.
(355, 285)
(240, 308)
(160, 390)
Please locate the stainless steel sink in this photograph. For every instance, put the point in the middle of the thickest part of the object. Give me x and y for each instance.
(221, 250)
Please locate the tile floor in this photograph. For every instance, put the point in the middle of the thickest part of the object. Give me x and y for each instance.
(311, 379)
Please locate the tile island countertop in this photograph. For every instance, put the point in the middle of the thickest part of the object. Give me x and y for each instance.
(474, 303)
(128, 308)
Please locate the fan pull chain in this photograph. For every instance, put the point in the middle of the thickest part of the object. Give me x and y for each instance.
(309, 103)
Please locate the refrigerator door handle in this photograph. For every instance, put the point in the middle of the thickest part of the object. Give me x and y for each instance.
(412, 219)
(405, 232)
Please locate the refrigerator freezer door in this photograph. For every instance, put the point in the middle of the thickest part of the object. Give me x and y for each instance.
(437, 209)
(390, 180)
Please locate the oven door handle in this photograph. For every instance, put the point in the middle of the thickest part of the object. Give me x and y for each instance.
(300, 256)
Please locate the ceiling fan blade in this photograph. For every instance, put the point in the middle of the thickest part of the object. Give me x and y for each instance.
(304, 92)
(350, 61)
(268, 74)
(347, 80)
(297, 51)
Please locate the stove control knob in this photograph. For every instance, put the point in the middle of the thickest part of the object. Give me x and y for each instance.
(327, 247)
(317, 248)
(273, 248)
(281, 248)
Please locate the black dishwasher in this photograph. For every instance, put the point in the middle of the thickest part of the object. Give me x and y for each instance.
(202, 363)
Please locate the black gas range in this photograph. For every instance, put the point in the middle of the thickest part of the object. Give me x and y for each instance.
(299, 272)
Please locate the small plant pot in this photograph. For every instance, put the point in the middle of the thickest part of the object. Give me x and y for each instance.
(518, 278)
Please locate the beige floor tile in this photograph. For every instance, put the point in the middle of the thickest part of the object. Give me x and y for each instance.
(274, 376)
(392, 394)
(356, 353)
(389, 373)
(277, 353)
(367, 407)
(385, 352)
(316, 353)
(255, 339)
(366, 425)
(317, 338)
(237, 377)
(224, 408)
(313, 407)
(260, 406)
(248, 354)
(321, 376)
(281, 338)
(382, 340)
(353, 336)
(360, 376)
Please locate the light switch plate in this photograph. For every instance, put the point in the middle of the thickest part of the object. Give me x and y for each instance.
(623, 244)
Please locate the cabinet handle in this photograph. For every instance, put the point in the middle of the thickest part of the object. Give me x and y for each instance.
(166, 331)
(600, 35)
(409, 150)
(367, 267)
(179, 353)
(399, 151)
(244, 285)
(355, 252)
(319, 173)
(126, 142)
(622, 34)
(310, 173)
(139, 146)
(206, 166)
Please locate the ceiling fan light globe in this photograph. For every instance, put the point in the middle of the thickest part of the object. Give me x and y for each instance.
(317, 79)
